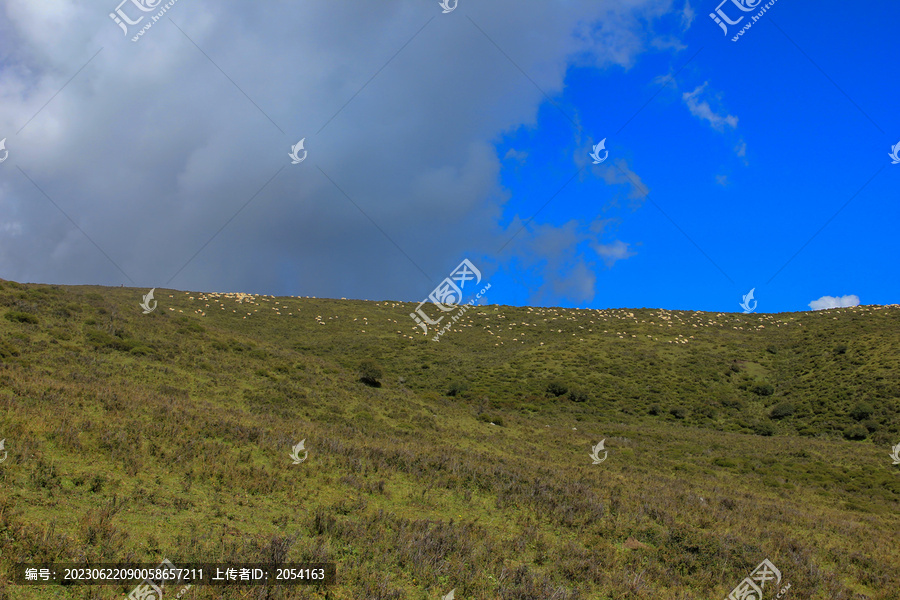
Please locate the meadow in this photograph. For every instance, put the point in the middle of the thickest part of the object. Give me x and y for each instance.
(461, 464)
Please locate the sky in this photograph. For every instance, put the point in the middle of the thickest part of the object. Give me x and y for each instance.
(433, 134)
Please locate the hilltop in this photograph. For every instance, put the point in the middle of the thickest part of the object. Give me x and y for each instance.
(461, 463)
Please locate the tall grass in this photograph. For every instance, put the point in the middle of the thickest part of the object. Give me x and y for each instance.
(138, 437)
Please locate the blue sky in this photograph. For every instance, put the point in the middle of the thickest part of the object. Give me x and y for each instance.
(432, 137)
(807, 149)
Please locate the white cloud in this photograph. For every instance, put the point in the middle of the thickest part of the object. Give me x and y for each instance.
(11, 228)
(834, 302)
(722, 180)
(611, 253)
(698, 103)
(701, 109)
(559, 261)
(516, 155)
(741, 151)
(613, 172)
(687, 15)
(623, 174)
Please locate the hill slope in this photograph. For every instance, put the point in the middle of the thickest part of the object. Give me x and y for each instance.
(731, 438)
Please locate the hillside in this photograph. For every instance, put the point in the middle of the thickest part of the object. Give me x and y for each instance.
(460, 464)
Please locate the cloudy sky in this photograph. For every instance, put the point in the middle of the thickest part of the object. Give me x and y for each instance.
(431, 137)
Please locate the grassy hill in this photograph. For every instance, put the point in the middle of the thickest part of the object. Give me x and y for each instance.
(462, 463)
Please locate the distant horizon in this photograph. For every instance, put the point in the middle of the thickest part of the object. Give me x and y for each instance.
(808, 310)
(658, 153)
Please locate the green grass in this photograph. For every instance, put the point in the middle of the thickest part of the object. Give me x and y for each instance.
(459, 464)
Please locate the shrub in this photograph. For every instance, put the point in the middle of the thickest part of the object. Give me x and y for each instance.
(20, 317)
(679, 412)
(763, 389)
(856, 432)
(871, 425)
(60, 334)
(578, 396)
(557, 388)
(763, 429)
(486, 418)
(735, 403)
(364, 416)
(101, 339)
(7, 350)
(654, 409)
(707, 412)
(840, 349)
(370, 372)
(190, 327)
(457, 388)
(862, 411)
(785, 409)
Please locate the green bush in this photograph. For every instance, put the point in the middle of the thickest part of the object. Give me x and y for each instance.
(370, 372)
(872, 425)
(654, 409)
(679, 412)
(457, 388)
(60, 334)
(101, 339)
(7, 350)
(862, 411)
(705, 411)
(20, 317)
(763, 389)
(766, 429)
(735, 403)
(785, 409)
(486, 418)
(191, 327)
(557, 388)
(856, 432)
(578, 396)
(364, 416)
